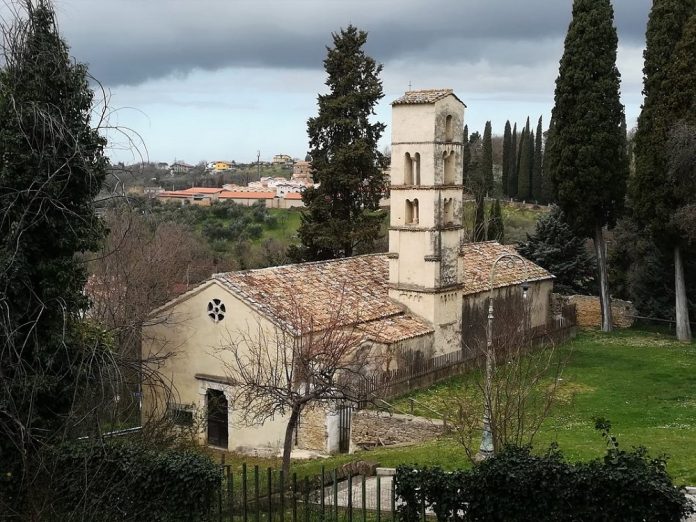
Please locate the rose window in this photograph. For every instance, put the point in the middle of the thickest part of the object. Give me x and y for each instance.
(216, 310)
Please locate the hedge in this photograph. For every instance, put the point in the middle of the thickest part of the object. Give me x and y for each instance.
(519, 486)
(124, 480)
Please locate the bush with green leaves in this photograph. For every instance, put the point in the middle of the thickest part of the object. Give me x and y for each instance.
(517, 485)
(125, 480)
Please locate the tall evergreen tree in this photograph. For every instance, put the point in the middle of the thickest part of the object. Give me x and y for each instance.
(587, 148)
(507, 157)
(537, 181)
(653, 199)
(487, 160)
(51, 168)
(525, 165)
(512, 176)
(343, 214)
(466, 153)
(496, 228)
(547, 188)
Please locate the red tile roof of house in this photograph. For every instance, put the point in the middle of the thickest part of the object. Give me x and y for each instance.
(293, 195)
(202, 190)
(228, 194)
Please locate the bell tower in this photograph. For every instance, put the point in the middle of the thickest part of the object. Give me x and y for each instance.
(425, 272)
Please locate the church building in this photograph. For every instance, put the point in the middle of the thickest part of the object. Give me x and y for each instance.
(411, 300)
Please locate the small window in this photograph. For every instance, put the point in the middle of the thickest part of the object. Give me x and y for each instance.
(417, 169)
(408, 169)
(412, 212)
(449, 128)
(216, 310)
(180, 414)
(448, 160)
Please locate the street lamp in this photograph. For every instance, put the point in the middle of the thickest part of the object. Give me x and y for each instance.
(486, 449)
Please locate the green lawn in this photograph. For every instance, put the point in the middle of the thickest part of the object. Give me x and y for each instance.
(288, 223)
(645, 383)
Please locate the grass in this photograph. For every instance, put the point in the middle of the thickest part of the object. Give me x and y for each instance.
(288, 223)
(644, 382)
(519, 222)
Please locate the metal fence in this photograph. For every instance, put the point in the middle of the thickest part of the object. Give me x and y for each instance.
(425, 372)
(256, 494)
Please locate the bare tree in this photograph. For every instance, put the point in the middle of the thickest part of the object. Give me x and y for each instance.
(524, 380)
(142, 265)
(292, 366)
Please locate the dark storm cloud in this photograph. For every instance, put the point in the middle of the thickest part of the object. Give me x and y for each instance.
(127, 42)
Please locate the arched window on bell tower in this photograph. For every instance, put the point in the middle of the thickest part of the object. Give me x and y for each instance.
(411, 212)
(448, 160)
(449, 128)
(417, 179)
(408, 169)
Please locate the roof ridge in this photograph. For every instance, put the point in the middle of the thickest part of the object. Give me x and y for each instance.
(305, 263)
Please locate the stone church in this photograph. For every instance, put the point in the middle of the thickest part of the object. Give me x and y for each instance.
(410, 300)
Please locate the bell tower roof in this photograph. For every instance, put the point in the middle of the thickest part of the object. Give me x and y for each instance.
(425, 96)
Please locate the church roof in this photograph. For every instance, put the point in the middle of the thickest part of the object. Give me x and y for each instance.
(478, 260)
(317, 295)
(424, 96)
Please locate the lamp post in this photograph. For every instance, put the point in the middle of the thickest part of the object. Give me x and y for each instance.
(486, 449)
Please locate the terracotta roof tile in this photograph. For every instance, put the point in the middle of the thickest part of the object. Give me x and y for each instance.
(228, 194)
(202, 190)
(423, 96)
(395, 328)
(479, 258)
(350, 291)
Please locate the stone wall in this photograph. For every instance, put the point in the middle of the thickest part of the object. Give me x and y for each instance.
(589, 312)
(370, 428)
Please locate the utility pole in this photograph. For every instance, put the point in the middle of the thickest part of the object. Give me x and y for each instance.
(258, 164)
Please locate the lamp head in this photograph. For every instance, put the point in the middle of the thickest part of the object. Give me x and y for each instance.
(525, 288)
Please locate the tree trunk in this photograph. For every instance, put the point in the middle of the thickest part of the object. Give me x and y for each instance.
(287, 445)
(604, 298)
(681, 305)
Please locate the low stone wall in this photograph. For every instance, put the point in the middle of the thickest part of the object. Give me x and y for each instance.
(370, 428)
(589, 312)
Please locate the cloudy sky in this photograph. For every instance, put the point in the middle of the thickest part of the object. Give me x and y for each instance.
(221, 79)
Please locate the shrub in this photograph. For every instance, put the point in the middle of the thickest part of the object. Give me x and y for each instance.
(124, 480)
(519, 486)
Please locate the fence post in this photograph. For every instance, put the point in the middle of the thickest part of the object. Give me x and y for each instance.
(270, 493)
(244, 493)
(306, 499)
(294, 497)
(256, 492)
(335, 496)
(281, 486)
(323, 484)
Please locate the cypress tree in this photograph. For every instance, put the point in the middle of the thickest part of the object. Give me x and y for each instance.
(466, 153)
(343, 213)
(525, 165)
(512, 176)
(587, 149)
(496, 229)
(547, 189)
(653, 199)
(487, 160)
(507, 157)
(537, 181)
(52, 166)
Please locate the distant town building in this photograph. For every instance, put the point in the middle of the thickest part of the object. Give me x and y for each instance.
(282, 159)
(180, 167)
(221, 166)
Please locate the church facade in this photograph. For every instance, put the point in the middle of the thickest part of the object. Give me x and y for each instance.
(409, 300)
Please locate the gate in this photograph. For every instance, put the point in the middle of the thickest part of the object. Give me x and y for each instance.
(345, 413)
(217, 418)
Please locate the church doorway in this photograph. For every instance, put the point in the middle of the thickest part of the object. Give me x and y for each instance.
(217, 418)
